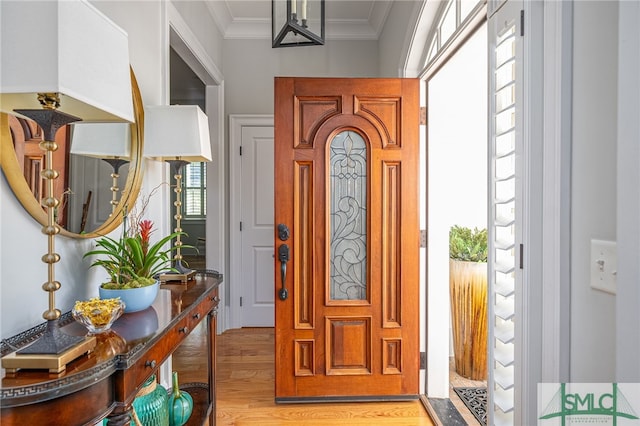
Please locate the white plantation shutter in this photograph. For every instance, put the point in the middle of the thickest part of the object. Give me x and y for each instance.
(195, 190)
(505, 152)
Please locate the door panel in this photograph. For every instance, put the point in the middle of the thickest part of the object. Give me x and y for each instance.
(257, 227)
(346, 184)
(27, 136)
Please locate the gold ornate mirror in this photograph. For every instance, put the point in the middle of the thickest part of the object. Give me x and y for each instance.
(23, 176)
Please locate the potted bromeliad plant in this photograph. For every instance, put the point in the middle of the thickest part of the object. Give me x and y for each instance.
(133, 263)
(468, 292)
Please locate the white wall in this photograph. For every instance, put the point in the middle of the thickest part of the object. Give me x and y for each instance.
(22, 273)
(593, 315)
(628, 220)
(251, 65)
(395, 38)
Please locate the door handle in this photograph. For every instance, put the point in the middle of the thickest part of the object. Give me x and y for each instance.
(283, 256)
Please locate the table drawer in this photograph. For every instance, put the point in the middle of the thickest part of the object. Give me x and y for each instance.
(200, 312)
(160, 351)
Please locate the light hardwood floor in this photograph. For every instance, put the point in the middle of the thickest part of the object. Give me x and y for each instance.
(245, 383)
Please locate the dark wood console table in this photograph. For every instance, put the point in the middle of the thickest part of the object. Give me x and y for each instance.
(104, 382)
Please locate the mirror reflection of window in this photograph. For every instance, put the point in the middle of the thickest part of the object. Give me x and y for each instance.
(195, 191)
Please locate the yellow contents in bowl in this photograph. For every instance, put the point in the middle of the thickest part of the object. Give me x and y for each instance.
(98, 311)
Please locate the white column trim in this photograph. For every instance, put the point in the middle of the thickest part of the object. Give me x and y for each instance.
(187, 45)
(216, 253)
(528, 365)
(556, 276)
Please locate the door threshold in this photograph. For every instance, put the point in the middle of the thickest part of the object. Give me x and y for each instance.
(442, 411)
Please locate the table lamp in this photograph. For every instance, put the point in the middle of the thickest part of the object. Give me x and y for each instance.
(110, 142)
(179, 135)
(69, 63)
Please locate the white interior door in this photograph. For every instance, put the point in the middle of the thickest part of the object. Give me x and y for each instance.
(256, 230)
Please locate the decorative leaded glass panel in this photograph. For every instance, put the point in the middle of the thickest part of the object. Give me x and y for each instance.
(348, 194)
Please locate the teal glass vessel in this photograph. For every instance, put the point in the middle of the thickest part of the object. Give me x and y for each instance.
(150, 405)
(180, 404)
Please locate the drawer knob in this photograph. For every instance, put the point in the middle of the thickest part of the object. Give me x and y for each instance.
(151, 364)
(183, 329)
(216, 299)
(196, 315)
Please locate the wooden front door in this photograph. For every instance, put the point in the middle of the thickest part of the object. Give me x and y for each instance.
(347, 270)
(27, 135)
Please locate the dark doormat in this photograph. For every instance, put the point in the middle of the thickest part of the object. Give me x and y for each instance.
(476, 401)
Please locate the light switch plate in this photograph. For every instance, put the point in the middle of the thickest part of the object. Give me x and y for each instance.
(604, 265)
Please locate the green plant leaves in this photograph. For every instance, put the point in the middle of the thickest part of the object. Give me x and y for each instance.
(125, 261)
(467, 244)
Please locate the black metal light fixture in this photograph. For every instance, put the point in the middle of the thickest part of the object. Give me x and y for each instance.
(297, 22)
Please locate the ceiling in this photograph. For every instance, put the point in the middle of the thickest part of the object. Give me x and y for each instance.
(344, 19)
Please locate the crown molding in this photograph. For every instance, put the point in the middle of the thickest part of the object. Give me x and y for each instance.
(336, 29)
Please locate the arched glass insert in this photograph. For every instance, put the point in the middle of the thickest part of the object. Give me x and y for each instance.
(348, 213)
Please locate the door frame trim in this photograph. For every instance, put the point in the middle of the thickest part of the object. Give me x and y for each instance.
(236, 123)
(553, 352)
(556, 186)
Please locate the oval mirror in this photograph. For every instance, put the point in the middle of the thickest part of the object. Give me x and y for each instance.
(97, 180)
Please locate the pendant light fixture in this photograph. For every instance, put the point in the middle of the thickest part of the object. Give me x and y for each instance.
(297, 22)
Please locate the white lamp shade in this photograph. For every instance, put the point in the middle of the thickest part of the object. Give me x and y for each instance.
(176, 132)
(66, 47)
(101, 140)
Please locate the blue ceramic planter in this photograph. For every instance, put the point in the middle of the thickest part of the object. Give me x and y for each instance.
(151, 404)
(135, 299)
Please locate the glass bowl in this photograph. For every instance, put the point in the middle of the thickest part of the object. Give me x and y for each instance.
(97, 314)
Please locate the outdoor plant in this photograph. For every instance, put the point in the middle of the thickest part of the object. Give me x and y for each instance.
(468, 244)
